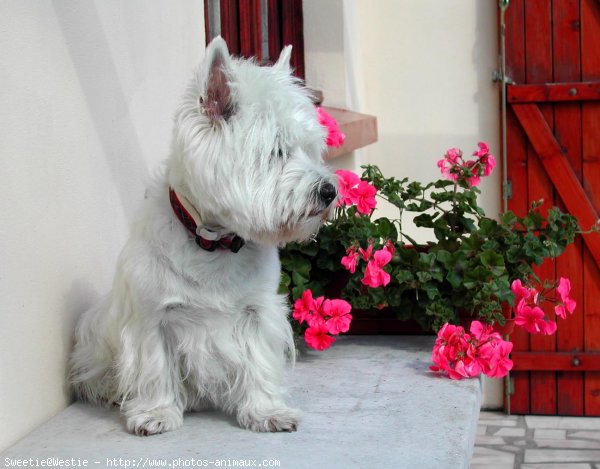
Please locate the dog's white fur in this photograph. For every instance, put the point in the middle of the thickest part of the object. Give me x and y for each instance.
(183, 328)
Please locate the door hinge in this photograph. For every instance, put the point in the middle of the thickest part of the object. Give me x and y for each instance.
(507, 192)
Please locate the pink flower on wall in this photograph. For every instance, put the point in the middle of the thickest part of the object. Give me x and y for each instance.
(335, 138)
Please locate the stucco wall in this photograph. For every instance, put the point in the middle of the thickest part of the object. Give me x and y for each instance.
(88, 94)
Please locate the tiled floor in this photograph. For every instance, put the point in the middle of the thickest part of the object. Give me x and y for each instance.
(530, 442)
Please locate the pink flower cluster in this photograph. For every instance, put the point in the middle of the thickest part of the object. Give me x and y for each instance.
(354, 191)
(455, 168)
(374, 276)
(335, 138)
(325, 318)
(529, 313)
(465, 355)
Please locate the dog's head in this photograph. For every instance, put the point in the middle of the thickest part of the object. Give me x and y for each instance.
(248, 149)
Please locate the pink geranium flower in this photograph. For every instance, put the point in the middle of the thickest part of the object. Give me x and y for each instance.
(473, 168)
(533, 320)
(568, 304)
(304, 307)
(335, 138)
(363, 196)
(389, 247)
(499, 364)
(317, 337)
(484, 149)
(375, 276)
(366, 254)
(350, 260)
(519, 290)
(461, 355)
(347, 180)
(450, 164)
(338, 316)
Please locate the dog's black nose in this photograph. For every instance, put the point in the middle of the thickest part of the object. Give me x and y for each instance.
(327, 193)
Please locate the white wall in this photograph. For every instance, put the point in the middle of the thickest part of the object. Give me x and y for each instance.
(88, 92)
(424, 68)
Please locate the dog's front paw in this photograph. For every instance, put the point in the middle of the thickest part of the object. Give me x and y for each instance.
(159, 420)
(275, 420)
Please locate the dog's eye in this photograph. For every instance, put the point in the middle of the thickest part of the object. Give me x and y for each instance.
(279, 154)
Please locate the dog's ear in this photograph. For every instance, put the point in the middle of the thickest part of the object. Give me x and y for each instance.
(283, 62)
(217, 100)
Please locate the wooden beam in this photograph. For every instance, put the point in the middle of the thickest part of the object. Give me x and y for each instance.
(552, 92)
(556, 361)
(560, 172)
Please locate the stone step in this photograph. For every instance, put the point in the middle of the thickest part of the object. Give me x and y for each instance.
(366, 402)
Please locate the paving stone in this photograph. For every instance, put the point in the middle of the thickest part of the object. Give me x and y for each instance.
(498, 422)
(512, 449)
(549, 434)
(487, 415)
(491, 458)
(589, 435)
(568, 444)
(520, 442)
(489, 440)
(567, 423)
(510, 432)
(556, 466)
(561, 455)
(481, 429)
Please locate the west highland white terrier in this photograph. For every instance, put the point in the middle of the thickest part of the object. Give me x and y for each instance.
(194, 320)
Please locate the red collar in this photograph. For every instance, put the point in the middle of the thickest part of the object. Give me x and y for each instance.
(207, 238)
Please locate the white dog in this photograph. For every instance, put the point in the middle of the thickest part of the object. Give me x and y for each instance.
(194, 319)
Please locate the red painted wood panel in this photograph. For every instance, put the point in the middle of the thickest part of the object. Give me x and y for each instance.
(571, 91)
(517, 172)
(230, 25)
(567, 129)
(250, 28)
(293, 33)
(538, 68)
(557, 45)
(567, 361)
(275, 33)
(590, 63)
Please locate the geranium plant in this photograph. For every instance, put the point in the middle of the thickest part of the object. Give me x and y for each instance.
(475, 267)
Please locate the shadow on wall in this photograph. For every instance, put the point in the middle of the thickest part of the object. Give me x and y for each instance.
(485, 61)
(79, 298)
(92, 60)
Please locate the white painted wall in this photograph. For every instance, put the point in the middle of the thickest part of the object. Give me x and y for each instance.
(424, 68)
(88, 92)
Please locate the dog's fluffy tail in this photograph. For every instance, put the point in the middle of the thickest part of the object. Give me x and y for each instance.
(91, 367)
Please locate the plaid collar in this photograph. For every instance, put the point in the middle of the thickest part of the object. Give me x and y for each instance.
(208, 238)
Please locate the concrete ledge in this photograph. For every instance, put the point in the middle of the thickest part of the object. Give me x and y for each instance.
(368, 402)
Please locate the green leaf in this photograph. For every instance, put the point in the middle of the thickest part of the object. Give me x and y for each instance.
(493, 261)
(404, 276)
(454, 279)
(424, 276)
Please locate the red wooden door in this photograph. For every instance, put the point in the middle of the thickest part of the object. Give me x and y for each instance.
(553, 151)
(255, 28)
